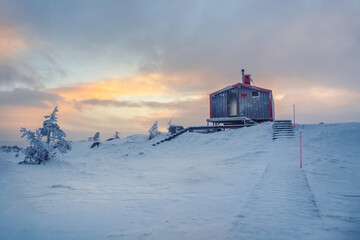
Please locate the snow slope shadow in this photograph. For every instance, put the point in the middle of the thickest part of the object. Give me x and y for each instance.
(282, 188)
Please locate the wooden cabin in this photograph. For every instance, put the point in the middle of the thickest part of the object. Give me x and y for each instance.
(241, 102)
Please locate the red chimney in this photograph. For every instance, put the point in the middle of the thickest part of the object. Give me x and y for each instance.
(247, 79)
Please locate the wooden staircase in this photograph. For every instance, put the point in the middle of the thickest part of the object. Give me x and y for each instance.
(172, 136)
(283, 129)
(202, 128)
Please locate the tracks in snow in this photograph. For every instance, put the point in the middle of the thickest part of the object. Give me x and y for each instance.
(281, 205)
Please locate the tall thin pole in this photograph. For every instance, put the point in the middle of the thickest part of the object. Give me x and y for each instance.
(300, 152)
(294, 113)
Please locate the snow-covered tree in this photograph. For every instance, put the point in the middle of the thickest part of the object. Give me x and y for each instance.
(41, 150)
(153, 130)
(37, 152)
(170, 124)
(62, 145)
(96, 137)
(51, 129)
(173, 128)
(116, 135)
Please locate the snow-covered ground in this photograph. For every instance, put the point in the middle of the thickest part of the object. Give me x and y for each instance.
(235, 184)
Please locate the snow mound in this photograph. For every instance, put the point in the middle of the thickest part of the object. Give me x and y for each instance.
(235, 184)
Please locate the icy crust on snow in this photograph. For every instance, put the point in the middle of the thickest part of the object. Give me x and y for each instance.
(235, 184)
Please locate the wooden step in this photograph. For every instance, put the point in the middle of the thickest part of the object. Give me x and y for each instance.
(283, 129)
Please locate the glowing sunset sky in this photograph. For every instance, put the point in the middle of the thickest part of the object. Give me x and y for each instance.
(122, 65)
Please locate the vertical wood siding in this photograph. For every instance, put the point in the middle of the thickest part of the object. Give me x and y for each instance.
(251, 107)
(220, 105)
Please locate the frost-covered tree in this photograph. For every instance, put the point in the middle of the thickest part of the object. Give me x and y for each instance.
(96, 137)
(170, 124)
(45, 141)
(62, 145)
(173, 128)
(153, 131)
(116, 135)
(51, 130)
(37, 152)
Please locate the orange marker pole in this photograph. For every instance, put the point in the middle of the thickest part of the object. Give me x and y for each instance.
(300, 152)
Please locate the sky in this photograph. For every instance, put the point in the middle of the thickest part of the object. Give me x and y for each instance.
(122, 65)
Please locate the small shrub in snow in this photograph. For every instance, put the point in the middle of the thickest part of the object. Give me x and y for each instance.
(9, 149)
(173, 128)
(45, 141)
(153, 130)
(116, 135)
(96, 137)
(95, 144)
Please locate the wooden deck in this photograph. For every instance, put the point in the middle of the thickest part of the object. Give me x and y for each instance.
(231, 121)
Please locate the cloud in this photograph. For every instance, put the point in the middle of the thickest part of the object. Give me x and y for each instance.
(319, 103)
(135, 116)
(294, 41)
(23, 63)
(33, 73)
(79, 105)
(140, 86)
(181, 104)
(28, 97)
(13, 74)
(334, 98)
(11, 43)
(114, 87)
(187, 113)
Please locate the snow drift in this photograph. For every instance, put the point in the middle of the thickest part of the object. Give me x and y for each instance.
(235, 184)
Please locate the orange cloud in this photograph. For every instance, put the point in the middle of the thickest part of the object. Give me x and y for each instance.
(11, 42)
(114, 87)
(138, 87)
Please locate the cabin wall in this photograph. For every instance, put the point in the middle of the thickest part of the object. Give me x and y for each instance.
(219, 104)
(258, 108)
(253, 107)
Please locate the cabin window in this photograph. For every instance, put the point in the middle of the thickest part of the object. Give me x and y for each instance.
(232, 104)
(255, 94)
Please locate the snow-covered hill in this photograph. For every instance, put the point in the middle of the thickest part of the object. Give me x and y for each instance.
(235, 184)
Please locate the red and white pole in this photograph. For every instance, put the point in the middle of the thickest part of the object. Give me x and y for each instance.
(300, 152)
(294, 113)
